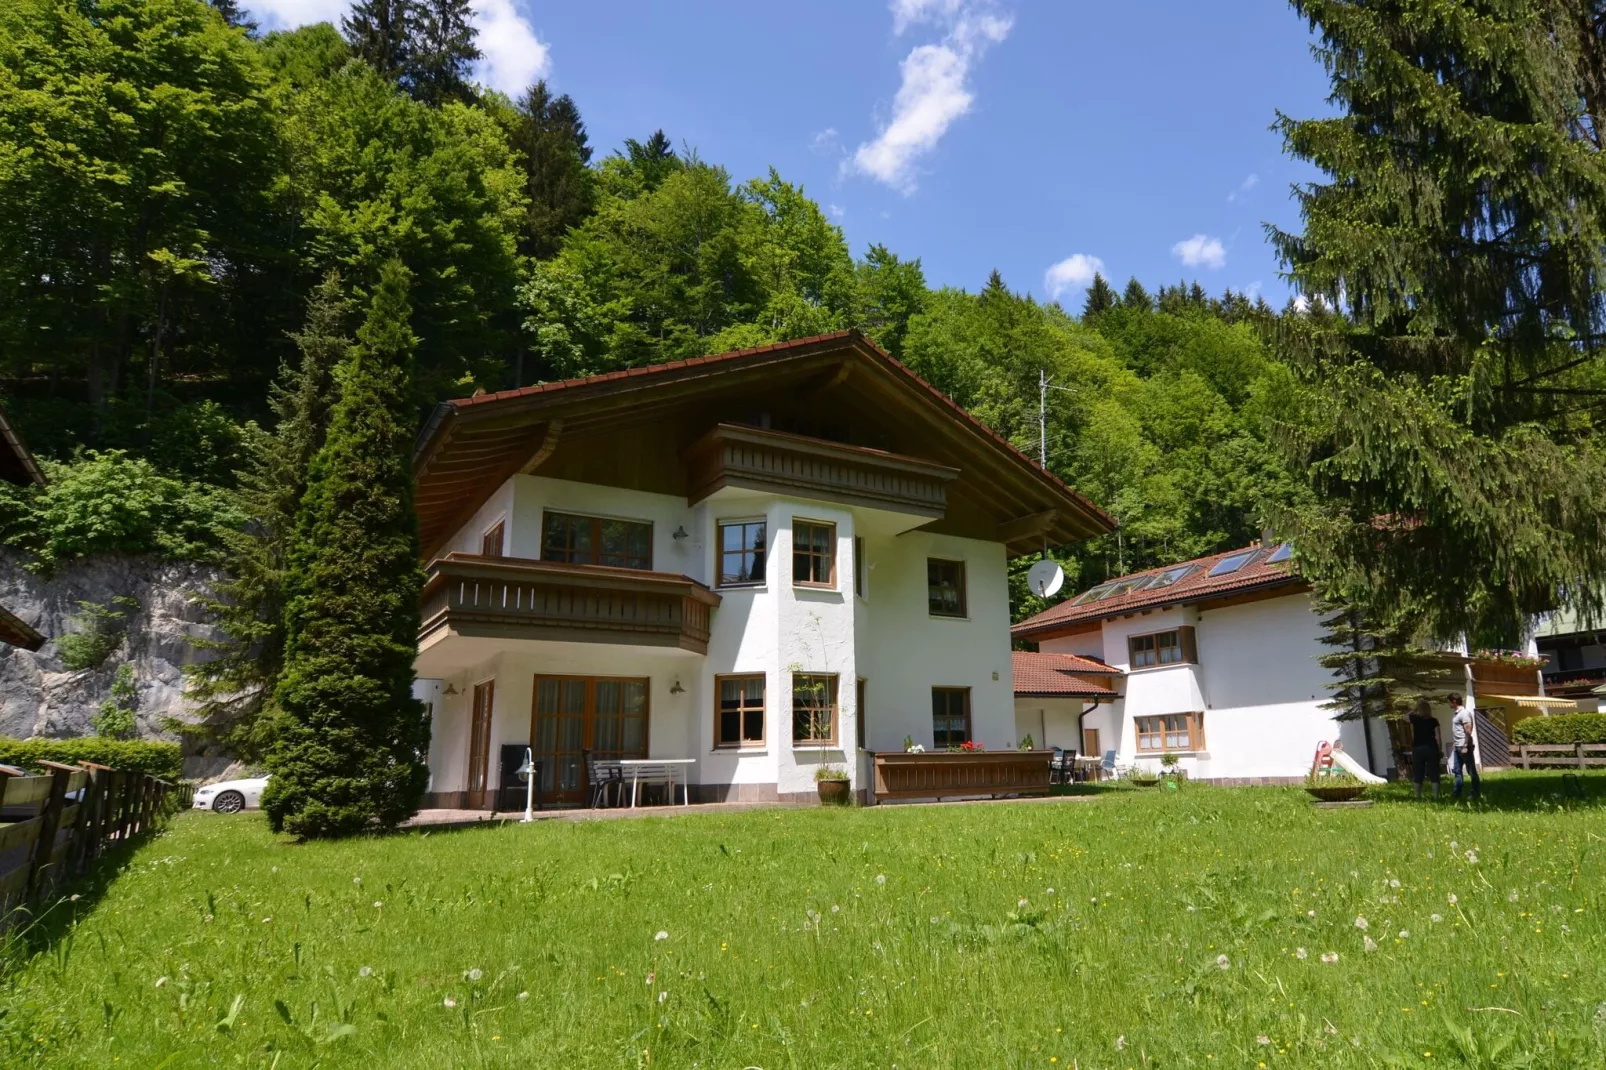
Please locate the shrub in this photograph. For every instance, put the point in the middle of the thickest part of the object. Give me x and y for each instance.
(100, 631)
(1565, 728)
(129, 755)
(116, 717)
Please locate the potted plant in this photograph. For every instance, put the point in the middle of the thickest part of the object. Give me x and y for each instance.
(1026, 742)
(832, 784)
(1334, 785)
(1143, 778)
(1168, 764)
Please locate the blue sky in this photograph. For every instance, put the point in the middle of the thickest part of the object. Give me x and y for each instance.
(1030, 136)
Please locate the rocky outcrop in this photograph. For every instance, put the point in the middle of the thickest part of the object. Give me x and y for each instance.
(40, 696)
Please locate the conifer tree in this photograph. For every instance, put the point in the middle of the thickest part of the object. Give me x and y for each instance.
(442, 50)
(350, 741)
(236, 688)
(234, 15)
(1135, 296)
(653, 160)
(1100, 298)
(551, 139)
(381, 34)
(1460, 246)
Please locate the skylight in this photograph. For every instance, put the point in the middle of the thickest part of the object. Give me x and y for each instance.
(1282, 553)
(1118, 589)
(1168, 577)
(1091, 594)
(1228, 565)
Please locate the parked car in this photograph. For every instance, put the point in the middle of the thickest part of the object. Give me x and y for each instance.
(231, 796)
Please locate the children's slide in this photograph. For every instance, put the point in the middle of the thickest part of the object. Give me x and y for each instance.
(1359, 771)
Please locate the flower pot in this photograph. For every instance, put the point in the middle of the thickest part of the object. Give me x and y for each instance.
(1146, 782)
(834, 792)
(1337, 792)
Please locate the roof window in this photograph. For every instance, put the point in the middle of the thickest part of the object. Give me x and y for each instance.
(1168, 577)
(1281, 554)
(1228, 565)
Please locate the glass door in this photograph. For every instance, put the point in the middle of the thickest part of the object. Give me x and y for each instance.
(573, 714)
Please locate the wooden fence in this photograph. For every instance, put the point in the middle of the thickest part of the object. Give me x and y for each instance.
(53, 826)
(1576, 755)
(948, 774)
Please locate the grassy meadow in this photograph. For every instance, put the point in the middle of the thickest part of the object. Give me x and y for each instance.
(1199, 928)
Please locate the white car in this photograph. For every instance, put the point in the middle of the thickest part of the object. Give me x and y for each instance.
(231, 796)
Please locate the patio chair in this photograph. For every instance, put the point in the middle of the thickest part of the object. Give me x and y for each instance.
(602, 777)
(1108, 768)
(1061, 766)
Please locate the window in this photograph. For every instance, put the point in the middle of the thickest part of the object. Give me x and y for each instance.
(1167, 577)
(1170, 732)
(1161, 648)
(858, 566)
(945, 587)
(741, 552)
(590, 540)
(1116, 590)
(950, 716)
(739, 711)
(479, 741)
(858, 711)
(813, 708)
(1092, 594)
(1281, 554)
(1228, 565)
(813, 554)
(491, 541)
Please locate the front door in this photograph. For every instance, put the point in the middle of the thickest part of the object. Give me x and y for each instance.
(572, 714)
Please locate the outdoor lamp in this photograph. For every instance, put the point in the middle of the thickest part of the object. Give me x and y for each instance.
(680, 533)
(526, 773)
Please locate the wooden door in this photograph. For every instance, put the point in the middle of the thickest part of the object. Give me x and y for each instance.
(479, 745)
(573, 714)
(1090, 743)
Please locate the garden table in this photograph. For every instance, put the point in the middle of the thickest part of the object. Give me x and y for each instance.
(654, 767)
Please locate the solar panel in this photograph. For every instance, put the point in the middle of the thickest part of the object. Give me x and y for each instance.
(1282, 553)
(1228, 565)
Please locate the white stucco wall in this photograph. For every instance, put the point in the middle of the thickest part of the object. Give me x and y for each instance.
(1051, 722)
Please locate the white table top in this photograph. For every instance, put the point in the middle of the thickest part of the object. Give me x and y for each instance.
(627, 762)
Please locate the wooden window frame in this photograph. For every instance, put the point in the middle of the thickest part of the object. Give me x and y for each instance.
(832, 683)
(829, 557)
(1186, 646)
(969, 723)
(596, 538)
(861, 728)
(495, 534)
(858, 567)
(964, 596)
(741, 712)
(479, 737)
(1193, 723)
(720, 551)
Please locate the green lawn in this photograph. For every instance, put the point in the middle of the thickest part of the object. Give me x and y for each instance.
(1139, 929)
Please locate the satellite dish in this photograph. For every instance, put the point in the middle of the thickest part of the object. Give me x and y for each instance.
(1045, 578)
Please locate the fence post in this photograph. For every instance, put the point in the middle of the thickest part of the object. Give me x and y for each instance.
(1578, 748)
(1522, 750)
(45, 845)
(75, 837)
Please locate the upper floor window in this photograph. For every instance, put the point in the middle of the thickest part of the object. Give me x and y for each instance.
(945, 587)
(741, 552)
(1161, 648)
(813, 553)
(590, 540)
(491, 541)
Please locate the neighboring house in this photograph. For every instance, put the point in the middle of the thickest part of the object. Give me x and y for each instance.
(1054, 693)
(1575, 660)
(1216, 662)
(17, 466)
(765, 561)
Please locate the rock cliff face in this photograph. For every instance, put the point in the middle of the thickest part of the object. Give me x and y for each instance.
(39, 696)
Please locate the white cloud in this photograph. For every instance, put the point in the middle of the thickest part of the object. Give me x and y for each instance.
(825, 141)
(1073, 273)
(933, 91)
(1200, 251)
(1243, 188)
(837, 211)
(514, 55)
(1252, 291)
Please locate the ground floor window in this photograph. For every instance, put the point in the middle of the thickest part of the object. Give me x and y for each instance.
(813, 708)
(1170, 732)
(739, 711)
(950, 716)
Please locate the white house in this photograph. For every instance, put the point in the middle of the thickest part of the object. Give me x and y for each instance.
(1216, 662)
(689, 560)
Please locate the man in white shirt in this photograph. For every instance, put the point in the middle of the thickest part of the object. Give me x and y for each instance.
(1463, 759)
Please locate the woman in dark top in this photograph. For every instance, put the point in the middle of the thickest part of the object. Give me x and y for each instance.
(1425, 746)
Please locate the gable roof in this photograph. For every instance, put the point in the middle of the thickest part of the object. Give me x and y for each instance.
(1196, 585)
(1054, 675)
(470, 446)
(16, 463)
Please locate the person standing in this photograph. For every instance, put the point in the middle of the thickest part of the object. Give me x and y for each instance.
(1463, 760)
(1426, 746)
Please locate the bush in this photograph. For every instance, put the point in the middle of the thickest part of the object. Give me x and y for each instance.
(126, 755)
(1565, 728)
(100, 631)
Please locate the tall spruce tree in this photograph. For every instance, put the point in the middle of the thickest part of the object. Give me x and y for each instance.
(237, 687)
(234, 14)
(1135, 296)
(351, 742)
(652, 160)
(551, 140)
(1449, 425)
(442, 51)
(381, 34)
(1100, 298)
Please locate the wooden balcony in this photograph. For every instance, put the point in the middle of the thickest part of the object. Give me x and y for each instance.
(517, 598)
(1493, 677)
(755, 459)
(951, 774)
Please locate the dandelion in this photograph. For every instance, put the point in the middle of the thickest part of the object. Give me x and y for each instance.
(1472, 858)
(1360, 923)
(274, 869)
(366, 971)
(356, 880)
(522, 996)
(835, 909)
(651, 977)
(1223, 962)
(881, 878)
(1329, 957)
(1512, 898)
(448, 1003)
(1370, 944)
(1301, 954)
(72, 898)
(474, 974)
(1020, 904)
(1330, 1029)
(1120, 1042)
(1405, 934)
(378, 903)
(1453, 899)
(1310, 913)
(1435, 918)
(662, 996)
(1263, 1039)
(661, 935)
(1192, 909)
(1051, 891)
(1394, 882)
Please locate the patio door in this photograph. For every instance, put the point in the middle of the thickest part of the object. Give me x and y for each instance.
(479, 745)
(572, 714)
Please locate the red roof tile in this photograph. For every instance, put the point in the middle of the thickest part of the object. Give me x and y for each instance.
(1196, 586)
(1055, 674)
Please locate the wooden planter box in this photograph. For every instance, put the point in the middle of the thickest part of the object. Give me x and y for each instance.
(1337, 792)
(939, 774)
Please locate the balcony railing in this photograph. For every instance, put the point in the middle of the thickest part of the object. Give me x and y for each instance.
(517, 598)
(1575, 676)
(755, 459)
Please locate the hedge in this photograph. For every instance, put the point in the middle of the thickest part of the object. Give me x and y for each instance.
(131, 755)
(1564, 728)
